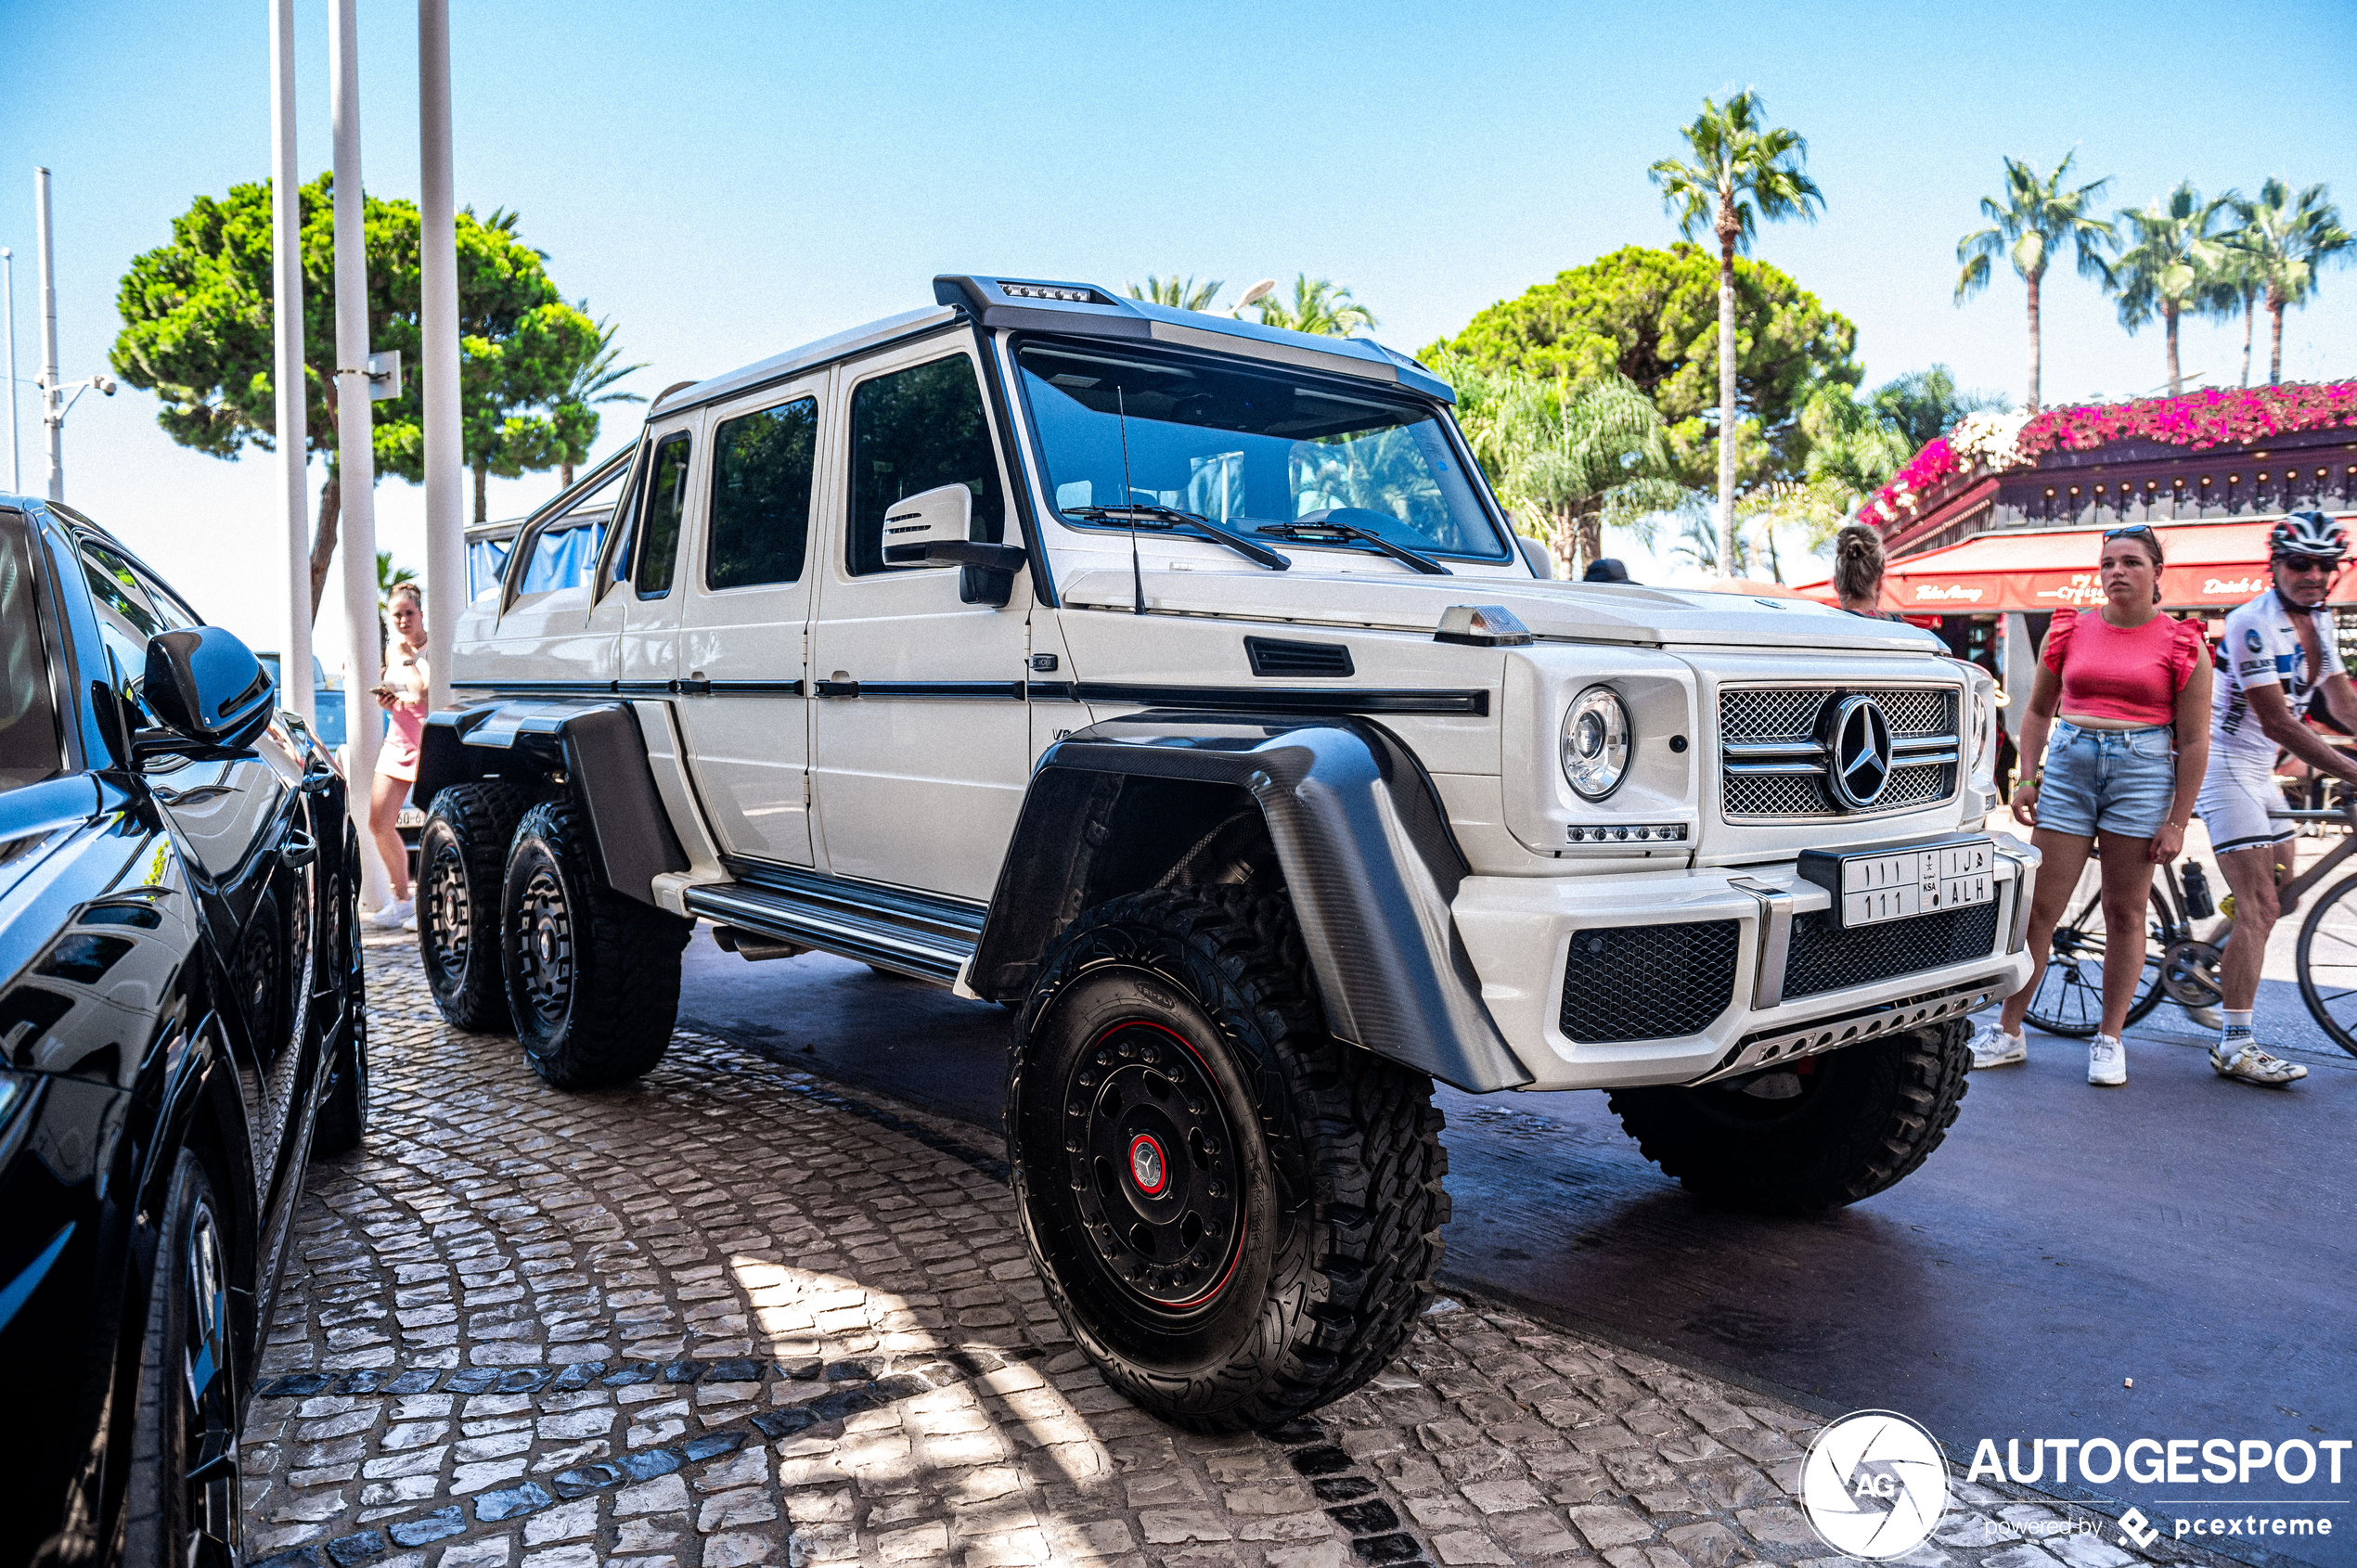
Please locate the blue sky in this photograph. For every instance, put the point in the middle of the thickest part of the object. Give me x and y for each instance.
(728, 180)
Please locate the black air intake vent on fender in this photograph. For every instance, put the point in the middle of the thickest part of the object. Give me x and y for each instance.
(1273, 655)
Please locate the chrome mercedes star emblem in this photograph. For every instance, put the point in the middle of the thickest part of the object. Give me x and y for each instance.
(1145, 1165)
(1861, 734)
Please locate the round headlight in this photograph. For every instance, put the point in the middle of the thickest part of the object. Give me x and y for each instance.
(1595, 742)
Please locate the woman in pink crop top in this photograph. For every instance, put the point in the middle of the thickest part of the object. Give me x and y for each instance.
(2123, 691)
(403, 697)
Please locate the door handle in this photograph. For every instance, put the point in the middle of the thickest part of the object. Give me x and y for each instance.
(301, 849)
(693, 687)
(194, 793)
(837, 688)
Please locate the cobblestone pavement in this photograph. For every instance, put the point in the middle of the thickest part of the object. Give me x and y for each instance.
(735, 1316)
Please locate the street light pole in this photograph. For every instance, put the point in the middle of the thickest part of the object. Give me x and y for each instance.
(8, 310)
(291, 396)
(53, 416)
(438, 320)
(356, 455)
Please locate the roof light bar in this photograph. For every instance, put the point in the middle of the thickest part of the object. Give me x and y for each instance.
(1066, 292)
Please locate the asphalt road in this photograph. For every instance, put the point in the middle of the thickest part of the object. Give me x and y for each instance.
(2195, 1236)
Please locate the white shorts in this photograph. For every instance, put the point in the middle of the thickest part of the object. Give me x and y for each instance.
(2237, 795)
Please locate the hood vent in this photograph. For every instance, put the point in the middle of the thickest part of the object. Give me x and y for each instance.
(1275, 657)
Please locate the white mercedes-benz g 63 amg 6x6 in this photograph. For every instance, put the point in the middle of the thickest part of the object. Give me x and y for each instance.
(1179, 683)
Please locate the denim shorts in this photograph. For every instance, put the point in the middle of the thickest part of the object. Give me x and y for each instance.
(2118, 781)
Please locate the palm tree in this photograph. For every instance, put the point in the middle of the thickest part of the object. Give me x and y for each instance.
(592, 382)
(2036, 220)
(1179, 293)
(2287, 238)
(1742, 173)
(2238, 284)
(1319, 306)
(2168, 263)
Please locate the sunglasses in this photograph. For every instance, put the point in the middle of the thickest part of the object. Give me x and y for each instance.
(2134, 530)
(2300, 566)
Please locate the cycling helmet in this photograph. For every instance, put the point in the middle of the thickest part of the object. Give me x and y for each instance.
(2309, 534)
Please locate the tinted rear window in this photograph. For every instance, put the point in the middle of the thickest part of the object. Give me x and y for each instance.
(31, 747)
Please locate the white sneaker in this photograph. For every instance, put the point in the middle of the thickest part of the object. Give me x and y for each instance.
(392, 915)
(1992, 1046)
(2242, 1058)
(2107, 1061)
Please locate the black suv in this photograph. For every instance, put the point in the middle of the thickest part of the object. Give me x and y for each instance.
(181, 1027)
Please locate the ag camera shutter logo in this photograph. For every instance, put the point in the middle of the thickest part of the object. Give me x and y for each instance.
(1874, 1485)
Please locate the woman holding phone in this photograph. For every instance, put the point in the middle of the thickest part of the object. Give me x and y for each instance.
(2124, 692)
(403, 697)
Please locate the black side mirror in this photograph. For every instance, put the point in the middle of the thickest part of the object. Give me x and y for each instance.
(207, 686)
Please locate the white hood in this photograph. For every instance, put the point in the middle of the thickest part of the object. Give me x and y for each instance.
(1568, 611)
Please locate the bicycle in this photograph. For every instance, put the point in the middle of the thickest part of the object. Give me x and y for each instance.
(2178, 966)
(2182, 967)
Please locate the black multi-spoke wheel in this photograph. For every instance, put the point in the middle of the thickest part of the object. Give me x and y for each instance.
(462, 853)
(1237, 1215)
(184, 1500)
(2069, 999)
(1153, 1165)
(2327, 961)
(592, 977)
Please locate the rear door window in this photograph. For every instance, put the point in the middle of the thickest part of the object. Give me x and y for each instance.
(761, 465)
(666, 505)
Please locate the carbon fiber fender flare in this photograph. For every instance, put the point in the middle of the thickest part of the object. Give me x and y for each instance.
(597, 750)
(1359, 834)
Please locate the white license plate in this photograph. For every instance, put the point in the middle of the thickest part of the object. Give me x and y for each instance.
(1901, 884)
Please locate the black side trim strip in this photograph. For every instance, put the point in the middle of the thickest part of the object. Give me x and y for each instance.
(539, 688)
(633, 689)
(741, 689)
(1289, 699)
(1004, 691)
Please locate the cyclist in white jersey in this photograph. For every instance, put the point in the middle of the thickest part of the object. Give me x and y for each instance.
(2278, 654)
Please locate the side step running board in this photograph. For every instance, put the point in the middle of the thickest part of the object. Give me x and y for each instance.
(909, 933)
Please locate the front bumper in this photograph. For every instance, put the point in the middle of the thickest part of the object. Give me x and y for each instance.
(1519, 932)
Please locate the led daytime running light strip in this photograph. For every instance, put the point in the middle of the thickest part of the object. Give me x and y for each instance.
(1653, 832)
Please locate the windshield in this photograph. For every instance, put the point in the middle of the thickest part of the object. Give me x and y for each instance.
(1247, 446)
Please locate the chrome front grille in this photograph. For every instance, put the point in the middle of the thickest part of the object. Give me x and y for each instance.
(1772, 753)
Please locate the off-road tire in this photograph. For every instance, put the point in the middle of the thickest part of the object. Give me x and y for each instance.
(592, 976)
(1332, 1163)
(343, 1110)
(462, 858)
(1867, 1116)
(173, 1518)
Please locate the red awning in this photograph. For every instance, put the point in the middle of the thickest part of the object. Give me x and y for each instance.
(2210, 565)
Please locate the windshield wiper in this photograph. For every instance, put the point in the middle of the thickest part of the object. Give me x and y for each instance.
(1316, 527)
(1141, 514)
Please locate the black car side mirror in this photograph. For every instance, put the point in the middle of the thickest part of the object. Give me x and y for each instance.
(208, 689)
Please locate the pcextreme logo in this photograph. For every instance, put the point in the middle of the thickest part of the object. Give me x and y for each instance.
(1874, 1485)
